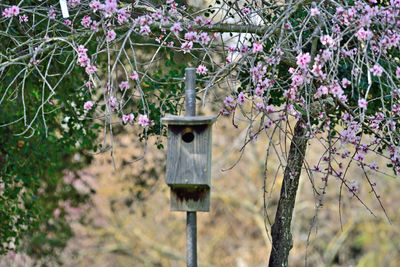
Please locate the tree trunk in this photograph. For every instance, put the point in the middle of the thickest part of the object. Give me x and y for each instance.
(282, 241)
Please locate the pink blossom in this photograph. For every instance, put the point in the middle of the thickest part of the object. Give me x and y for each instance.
(224, 112)
(201, 69)
(10, 12)
(229, 102)
(326, 54)
(259, 91)
(345, 82)
(86, 21)
(198, 20)
(67, 22)
(398, 72)
(314, 12)
(128, 118)
(144, 121)
(83, 60)
(354, 188)
(205, 38)
(113, 103)
(297, 80)
(335, 89)
(82, 50)
(268, 123)
(23, 18)
(90, 69)
(95, 26)
(327, 41)
(303, 60)
(317, 168)
(186, 47)
(362, 103)
(95, 5)
(74, 2)
(374, 166)
(317, 71)
(134, 76)
(124, 85)
(257, 47)
(88, 105)
(244, 49)
(176, 28)
(269, 109)
(208, 22)
(123, 16)
(241, 98)
(395, 3)
(110, 35)
(51, 14)
(359, 157)
(322, 90)
(232, 48)
(145, 29)
(191, 36)
(364, 35)
(377, 70)
(110, 7)
(246, 11)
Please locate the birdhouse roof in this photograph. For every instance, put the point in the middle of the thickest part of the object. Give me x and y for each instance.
(188, 120)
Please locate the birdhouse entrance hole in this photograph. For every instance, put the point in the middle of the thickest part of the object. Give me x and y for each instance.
(187, 135)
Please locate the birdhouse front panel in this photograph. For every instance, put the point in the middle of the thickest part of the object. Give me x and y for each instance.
(189, 155)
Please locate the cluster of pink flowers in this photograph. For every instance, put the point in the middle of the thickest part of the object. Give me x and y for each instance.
(257, 72)
(113, 103)
(124, 85)
(362, 103)
(23, 18)
(10, 12)
(314, 12)
(229, 104)
(246, 11)
(110, 35)
(176, 28)
(88, 105)
(144, 121)
(84, 60)
(241, 99)
(377, 70)
(303, 60)
(328, 41)
(134, 76)
(201, 69)
(74, 2)
(128, 118)
(86, 21)
(257, 47)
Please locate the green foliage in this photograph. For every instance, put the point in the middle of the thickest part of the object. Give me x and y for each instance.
(39, 140)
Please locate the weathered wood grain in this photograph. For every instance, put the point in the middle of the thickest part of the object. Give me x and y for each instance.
(189, 162)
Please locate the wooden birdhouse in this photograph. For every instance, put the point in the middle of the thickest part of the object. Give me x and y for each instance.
(189, 162)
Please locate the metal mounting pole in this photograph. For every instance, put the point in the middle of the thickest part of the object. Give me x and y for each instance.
(191, 222)
(190, 84)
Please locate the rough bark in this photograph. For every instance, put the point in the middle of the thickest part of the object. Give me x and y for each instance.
(282, 241)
